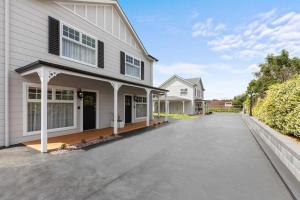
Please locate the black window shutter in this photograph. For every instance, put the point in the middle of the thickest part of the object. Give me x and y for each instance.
(142, 70)
(54, 30)
(100, 54)
(122, 64)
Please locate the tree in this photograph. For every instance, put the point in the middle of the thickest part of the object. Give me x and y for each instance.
(276, 69)
(239, 100)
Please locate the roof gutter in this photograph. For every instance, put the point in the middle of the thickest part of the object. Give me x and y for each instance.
(6, 73)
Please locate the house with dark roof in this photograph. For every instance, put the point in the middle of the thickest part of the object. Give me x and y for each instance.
(69, 66)
(185, 96)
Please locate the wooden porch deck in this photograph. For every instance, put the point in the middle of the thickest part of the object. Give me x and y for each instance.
(55, 143)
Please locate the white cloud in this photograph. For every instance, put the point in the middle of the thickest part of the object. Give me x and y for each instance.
(253, 68)
(266, 33)
(226, 57)
(220, 27)
(207, 28)
(195, 14)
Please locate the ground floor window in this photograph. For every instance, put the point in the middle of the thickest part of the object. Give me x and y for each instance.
(141, 107)
(60, 108)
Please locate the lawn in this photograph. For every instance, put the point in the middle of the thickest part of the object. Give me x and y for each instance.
(178, 116)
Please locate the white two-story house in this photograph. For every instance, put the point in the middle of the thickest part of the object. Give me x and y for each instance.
(70, 66)
(185, 96)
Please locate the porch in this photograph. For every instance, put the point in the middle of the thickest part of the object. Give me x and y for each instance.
(64, 100)
(55, 143)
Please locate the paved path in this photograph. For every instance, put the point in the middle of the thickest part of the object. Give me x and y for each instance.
(212, 158)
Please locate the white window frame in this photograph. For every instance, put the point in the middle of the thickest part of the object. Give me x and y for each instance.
(135, 110)
(79, 43)
(184, 91)
(26, 100)
(140, 67)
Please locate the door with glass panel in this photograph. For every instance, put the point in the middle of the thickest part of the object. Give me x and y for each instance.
(89, 110)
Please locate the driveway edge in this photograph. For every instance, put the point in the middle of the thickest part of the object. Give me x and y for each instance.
(285, 161)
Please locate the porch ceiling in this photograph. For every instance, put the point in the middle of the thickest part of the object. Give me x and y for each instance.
(32, 67)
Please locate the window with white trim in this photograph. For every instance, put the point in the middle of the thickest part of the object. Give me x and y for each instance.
(141, 107)
(78, 46)
(132, 67)
(183, 92)
(60, 108)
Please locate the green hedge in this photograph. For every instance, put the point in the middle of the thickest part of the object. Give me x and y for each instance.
(280, 108)
(234, 110)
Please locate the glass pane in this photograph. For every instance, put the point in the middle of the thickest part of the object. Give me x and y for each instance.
(78, 52)
(136, 62)
(34, 93)
(129, 59)
(58, 95)
(132, 71)
(49, 94)
(33, 117)
(60, 115)
(141, 110)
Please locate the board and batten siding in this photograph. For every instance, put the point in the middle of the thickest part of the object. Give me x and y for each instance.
(2, 72)
(29, 33)
(29, 42)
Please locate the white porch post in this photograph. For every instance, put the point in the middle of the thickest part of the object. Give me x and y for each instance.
(183, 107)
(116, 87)
(166, 108)
(148, 104)
(203, 108)
(45, 76)
(158, 106)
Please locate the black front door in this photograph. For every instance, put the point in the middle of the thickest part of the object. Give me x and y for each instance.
(89, 110)
(128, 109)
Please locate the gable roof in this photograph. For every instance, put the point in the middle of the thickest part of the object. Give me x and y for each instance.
(197, 81)
(178, 77)
(123, 15)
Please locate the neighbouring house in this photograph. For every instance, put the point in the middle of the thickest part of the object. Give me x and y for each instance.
(185, 96)
(215, 103)
(70, 66)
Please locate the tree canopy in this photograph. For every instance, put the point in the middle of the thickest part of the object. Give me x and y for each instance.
(276, 69)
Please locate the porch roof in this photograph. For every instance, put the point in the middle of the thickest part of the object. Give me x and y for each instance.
(40, 63)
(172, 98)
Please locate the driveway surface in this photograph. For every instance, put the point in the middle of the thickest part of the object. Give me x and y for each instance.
(214, 157)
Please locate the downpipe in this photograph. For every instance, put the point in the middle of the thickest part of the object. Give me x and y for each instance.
(6, 73)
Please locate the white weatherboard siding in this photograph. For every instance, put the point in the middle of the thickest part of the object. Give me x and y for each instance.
(29, 34)
(195, 93)
(2, 72)
(105, 103)
(174, 87)
(29, 43)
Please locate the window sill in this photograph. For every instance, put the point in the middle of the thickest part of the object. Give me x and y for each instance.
(137, 78)
(79, 62)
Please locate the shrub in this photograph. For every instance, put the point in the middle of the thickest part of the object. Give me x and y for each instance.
(280, 108)
(63, 147)
(235, 110)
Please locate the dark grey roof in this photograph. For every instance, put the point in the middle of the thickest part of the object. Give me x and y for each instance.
(40, 63)
(197, 81)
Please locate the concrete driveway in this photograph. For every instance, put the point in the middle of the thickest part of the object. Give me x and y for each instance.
(212, 158)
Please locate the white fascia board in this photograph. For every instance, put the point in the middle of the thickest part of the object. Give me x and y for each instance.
(176, 76)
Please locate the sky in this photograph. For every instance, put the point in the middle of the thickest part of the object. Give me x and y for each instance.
(223, 42)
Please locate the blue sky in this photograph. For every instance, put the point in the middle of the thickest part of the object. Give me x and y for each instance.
(220, 41)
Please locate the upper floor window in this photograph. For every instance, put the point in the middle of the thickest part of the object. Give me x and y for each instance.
(183, 91)
(78, 46)
(132, 67)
